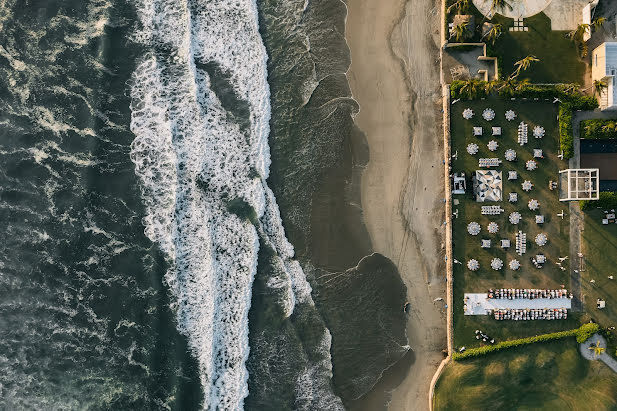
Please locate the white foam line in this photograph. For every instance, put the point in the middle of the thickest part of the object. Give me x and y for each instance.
(191, 160)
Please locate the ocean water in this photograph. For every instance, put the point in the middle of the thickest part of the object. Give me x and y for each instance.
(146, 148)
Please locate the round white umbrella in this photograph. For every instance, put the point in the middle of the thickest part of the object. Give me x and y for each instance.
(472, 148)
(473, 228)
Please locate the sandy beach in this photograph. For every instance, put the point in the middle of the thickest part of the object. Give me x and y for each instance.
(394, 76)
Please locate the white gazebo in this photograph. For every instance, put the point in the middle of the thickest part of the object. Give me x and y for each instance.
(579, 184)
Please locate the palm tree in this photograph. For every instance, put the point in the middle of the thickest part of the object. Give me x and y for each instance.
(523, 65)
(500, 4)
(579, 32)
(522, 84)
(507, 87)
(597, 349)
(469, 88)
(570, 88)
(494, 32)
(459, 5)
(598, 22)
(489, 86)
(459, 31)
(599, 86)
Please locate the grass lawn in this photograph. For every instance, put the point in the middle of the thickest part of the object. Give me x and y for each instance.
(551, 376)
(466, 246)
(599, 246)
(559, 60)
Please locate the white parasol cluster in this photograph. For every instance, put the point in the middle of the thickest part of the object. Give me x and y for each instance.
(538, 131)
(533, 204)
(541, 239)
(531, 165)
(514, 265)
(492, 227)
(515, 217)
(473, 228)
(492, 145)
(473, 264)
(510, 155)
(488, 114)
(467, 114)
(510, 115)
(496, 264)
(472, 148)
(527, 185)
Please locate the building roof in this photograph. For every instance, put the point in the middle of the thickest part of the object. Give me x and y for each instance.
(606, 162)
(604, 66)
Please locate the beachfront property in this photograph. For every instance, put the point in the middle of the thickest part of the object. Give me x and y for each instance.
(534, 236)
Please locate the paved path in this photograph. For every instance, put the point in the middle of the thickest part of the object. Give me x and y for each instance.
(591, 356)
(577, 223)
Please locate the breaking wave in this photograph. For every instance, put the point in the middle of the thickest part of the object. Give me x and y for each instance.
(200, 114)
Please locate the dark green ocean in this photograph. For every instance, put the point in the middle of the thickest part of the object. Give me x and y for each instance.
(180, 209)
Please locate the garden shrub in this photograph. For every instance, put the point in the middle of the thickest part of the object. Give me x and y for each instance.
(583, 333)
(597, 128)
(607, 200)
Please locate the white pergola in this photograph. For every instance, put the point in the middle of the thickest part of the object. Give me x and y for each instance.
(579, 184)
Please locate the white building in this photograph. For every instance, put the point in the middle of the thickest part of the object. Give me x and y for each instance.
(604, 68)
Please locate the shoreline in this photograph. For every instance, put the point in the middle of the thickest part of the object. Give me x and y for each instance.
(395, 78)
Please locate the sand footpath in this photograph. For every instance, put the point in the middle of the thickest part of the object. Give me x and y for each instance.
(394, 76)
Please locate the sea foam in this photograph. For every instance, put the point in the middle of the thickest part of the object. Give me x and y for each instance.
(193, 159)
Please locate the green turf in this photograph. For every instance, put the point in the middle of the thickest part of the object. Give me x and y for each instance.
(599, 246)
(559, 60)
(466, 246)
(551, 376)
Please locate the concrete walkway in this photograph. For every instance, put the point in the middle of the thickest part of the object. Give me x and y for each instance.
(590, 354)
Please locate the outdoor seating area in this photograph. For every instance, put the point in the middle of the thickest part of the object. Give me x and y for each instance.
(519, 304)
(522, 205)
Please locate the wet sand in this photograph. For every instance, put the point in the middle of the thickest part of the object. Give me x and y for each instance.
(394, 76)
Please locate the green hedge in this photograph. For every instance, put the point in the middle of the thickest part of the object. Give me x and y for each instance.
(598, 128)
(585, 331)
(607, 200)
(582, 333)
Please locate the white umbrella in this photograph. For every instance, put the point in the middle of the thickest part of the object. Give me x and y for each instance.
(531, 165)
(541, 239)
(527, 185)
(493, 228)
(538, 132)
(473, 228)
(467, 113)
(488, 114)
(473, 264)
(510, 155)
(515, 265)
(496, 264)
(472, 148)
(515, 217)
